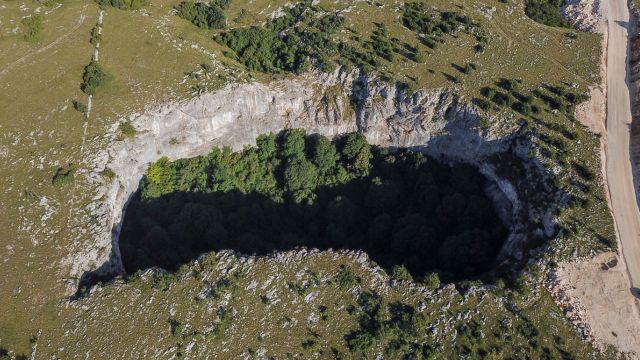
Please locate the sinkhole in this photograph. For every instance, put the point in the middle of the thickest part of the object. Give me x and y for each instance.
(294, 190)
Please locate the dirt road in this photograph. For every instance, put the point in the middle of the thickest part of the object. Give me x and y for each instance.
(625, 208)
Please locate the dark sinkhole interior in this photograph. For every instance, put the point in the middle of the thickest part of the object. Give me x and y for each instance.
(293, 190)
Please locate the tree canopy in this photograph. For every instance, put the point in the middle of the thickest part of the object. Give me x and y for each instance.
(403, 208)
(209, 16)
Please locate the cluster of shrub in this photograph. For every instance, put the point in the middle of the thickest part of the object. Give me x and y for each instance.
(549, 98)
(508, 95)
(208, 16)
(546, 12)
(433, 25)
(418, 17)
(302, 38)
(293, 42)
(297, 190)
(96, 36)
(123, 4)
(400, 331)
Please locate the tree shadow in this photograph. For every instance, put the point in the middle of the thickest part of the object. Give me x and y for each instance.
(623, 24)
(427, 219)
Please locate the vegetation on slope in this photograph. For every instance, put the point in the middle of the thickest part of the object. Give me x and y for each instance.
(263, 49)
(546, 114)
(123, 4)
(432, 26)
(209, 16)
(33, 28)
(304, 36)
(546, 12)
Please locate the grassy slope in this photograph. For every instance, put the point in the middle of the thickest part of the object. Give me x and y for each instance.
(40, 131)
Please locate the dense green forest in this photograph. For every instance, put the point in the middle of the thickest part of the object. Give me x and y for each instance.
(402, 208)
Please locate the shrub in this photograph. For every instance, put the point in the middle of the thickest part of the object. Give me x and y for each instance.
(483, 104)
(175, 327)
(127, 129)
(522, 285)
(400, 273)
(94, 77)
(345, 278)
(33, 28)
(79, 106)
(96, 37)
(362, 342)
(63, 176)
(488, 92)
(432, 280)
(108, 173)
(381, 43)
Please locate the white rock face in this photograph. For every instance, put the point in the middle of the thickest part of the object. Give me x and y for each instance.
(585, 14)
(331, 105)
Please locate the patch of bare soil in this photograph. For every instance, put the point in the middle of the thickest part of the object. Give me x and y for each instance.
(595, 294)
(592, 112)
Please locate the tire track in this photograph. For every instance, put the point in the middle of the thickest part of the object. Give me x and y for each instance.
(45, 48)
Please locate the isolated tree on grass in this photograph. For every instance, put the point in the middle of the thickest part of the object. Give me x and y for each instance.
(93, 78)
